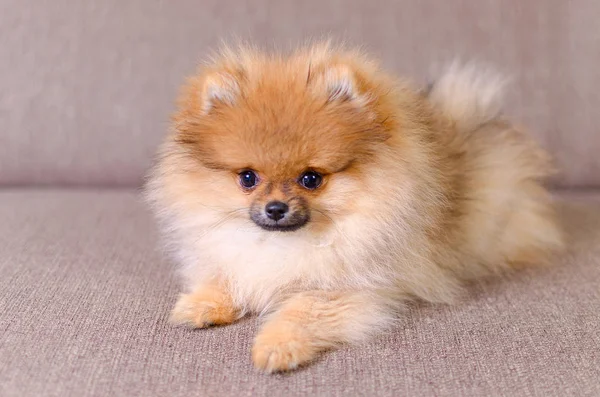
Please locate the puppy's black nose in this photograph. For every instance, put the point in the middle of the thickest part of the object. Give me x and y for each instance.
(276, 210)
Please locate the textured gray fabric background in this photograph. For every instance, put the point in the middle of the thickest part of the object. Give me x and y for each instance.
(86, 87)
(84, 298)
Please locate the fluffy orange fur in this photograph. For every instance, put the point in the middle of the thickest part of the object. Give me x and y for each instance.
(420, 192)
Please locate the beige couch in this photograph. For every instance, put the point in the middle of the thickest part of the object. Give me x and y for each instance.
(86, 88)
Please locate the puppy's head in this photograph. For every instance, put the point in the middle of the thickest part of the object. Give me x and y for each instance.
(283, 141)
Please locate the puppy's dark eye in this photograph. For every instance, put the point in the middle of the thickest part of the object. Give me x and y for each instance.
(248, 179)
(310, 180)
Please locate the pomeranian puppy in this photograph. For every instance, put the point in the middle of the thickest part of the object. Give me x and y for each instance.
(318, 191)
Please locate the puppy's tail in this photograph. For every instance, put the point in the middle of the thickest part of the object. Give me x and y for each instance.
(468, 95)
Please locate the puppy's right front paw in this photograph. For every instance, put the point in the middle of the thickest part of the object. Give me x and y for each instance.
(201, 310)
(282, 346)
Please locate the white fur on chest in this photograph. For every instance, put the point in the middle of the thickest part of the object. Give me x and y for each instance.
(258, 265)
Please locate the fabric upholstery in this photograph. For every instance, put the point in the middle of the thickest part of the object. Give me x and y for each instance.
(84, 297)
(86, 87)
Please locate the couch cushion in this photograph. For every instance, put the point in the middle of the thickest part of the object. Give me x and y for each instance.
(84, 297)
(86, 87)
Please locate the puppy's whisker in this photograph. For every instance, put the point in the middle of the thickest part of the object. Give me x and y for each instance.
(215, 225)
(333, 222)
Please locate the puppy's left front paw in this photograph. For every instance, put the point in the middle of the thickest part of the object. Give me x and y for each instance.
(203, 309)
(282, 347)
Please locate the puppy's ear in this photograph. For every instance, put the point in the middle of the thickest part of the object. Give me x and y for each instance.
(219, 88)
(340, 83)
